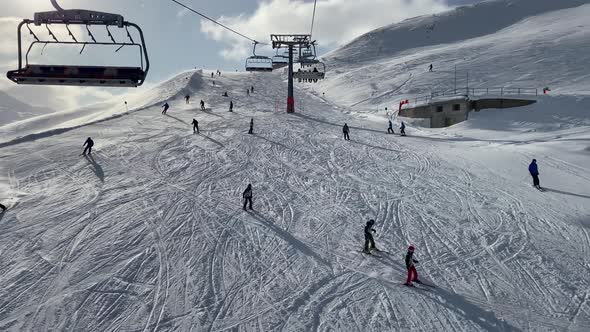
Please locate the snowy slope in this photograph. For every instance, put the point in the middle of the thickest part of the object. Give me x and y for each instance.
(549, 49)
(149, 233)
(12, 109)
(40, 126)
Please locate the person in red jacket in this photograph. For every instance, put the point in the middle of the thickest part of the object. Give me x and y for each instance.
(412, 273)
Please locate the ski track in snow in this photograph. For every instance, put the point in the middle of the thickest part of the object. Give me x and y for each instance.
(149, 234)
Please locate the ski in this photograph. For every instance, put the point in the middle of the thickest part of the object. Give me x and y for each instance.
(425, 284)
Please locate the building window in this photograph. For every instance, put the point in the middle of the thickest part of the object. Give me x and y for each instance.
(456, 107)
(439, 109)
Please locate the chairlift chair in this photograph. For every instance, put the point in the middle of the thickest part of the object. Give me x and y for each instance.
(311, 76)
(258, 63)
(106, 76)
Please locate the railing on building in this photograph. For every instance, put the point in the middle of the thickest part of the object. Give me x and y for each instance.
(475, 92)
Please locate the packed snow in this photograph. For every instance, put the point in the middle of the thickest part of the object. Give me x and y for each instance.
(148, 234)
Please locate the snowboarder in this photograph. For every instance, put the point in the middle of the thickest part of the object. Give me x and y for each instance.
(202, 105)
(534, 170)
(187, 98)
(231, 106)
(247, 195)
(89, 144)
(195, 126)
(430, 68)
(2, 207)
(369, 241)
(166, 107)
(403, 129)
(251, 131)
(225, 94)
(390, 128)
(345, 130)
(412, 273)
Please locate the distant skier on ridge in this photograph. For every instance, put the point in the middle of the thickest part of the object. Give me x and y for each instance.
(187, 98)
(345, 131)
(89, 144)
(369, 241)
(534, 170)
(412, 273)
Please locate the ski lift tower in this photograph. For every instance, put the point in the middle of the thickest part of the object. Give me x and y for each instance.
(291, 42)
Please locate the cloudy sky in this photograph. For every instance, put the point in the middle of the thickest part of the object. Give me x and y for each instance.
(178, 39)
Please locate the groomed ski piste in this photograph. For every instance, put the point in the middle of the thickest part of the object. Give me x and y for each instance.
(149, 233)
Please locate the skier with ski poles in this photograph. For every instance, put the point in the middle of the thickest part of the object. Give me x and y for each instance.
(369, 241)
(390, 128)
(403, 129)
(89, 144)
(534, 170)
(345, 131)
(166, 107)
(410, 261)
(195, 126)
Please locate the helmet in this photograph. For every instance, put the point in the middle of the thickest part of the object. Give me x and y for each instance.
(411, 248)
(371, 222)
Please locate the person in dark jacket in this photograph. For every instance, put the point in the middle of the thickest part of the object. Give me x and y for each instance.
(430, 68)
(202, 105)
(390, 128)
(187, 98)
(346, 130)
(166, 107)
(231, 106)
(89, 144)
(252, 89)
(251, 131)
(412, 273)
(3, 207)
(369, 241)
(403, 129)
(247, 196)
(195, 126)
(534, 170)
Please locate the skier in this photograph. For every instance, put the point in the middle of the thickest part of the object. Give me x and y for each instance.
(195, 126)
(251, 131)
(430, 68)
(369, 241)
(403, 129)
(248, 92)
(166, 107)
(231, 106)
(247, 195)
(390, 128)
(345, 130)
(412, 273)
(202, 105)
(212, 74)
(252, 89)
(534, 170)
(89, 144)
(2, 207)
(225, 94)
(187, 99)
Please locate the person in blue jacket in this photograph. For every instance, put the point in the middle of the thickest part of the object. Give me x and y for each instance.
(403, 129)
(534, 170)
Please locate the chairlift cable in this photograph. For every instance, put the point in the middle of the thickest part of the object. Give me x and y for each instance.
(313, 18)
(220, 24)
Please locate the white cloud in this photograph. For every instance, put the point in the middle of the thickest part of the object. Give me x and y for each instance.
(337, 21)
